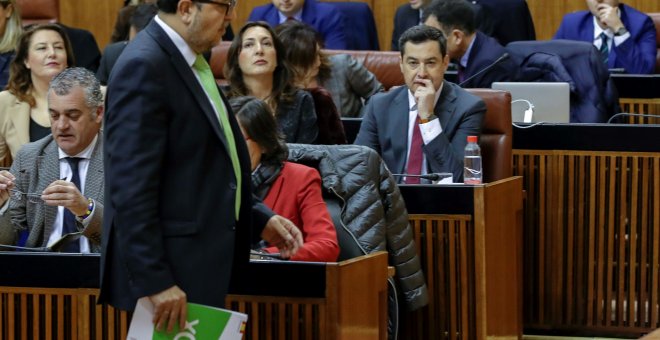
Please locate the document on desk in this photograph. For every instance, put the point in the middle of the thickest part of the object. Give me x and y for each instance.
(203, 322)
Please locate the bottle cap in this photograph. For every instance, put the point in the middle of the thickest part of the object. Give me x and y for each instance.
(472, 139)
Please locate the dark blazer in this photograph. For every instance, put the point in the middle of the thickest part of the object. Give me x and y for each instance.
(405, 18)
(385, 128)
(485, 51)
(297, 119)
(324, 17)
(108, 60)
(5, 61)
(170, 184)
(85, 49)
(505, 20)
(36, 166)
(635, 55)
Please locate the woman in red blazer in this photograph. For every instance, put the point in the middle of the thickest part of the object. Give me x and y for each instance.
(289, 189)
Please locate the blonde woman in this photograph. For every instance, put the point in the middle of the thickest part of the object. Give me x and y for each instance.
(10, 33)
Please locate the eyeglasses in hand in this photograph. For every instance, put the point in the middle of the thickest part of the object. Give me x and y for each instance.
(31, 197)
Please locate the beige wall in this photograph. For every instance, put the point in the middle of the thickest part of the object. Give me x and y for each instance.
(98, 16)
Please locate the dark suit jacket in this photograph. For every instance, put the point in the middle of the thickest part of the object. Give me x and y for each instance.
(36, 166)
(385, 128)
(485, 51)
(635, 55)
(405, 18)
(324, 17)
(170, 182)
(108, 60)
(505, 20)
(85, 49)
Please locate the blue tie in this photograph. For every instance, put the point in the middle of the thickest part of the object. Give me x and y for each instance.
(604, 50)
(69, 225)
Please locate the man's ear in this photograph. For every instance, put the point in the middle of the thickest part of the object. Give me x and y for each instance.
(186, 9)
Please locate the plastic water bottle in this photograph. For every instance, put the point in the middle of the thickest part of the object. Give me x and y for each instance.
(472, 162)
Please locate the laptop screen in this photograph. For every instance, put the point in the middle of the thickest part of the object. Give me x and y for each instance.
(538, 102)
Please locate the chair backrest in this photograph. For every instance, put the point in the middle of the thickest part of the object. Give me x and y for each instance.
(218, 60)
(359, 25)
(497, 135)
(383, 64)
(39, 11)
(656, 21)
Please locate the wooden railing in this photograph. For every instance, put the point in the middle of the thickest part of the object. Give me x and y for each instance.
(470, 244)
(591, 240)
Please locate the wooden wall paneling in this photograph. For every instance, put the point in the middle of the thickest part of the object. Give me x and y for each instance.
(97, 17)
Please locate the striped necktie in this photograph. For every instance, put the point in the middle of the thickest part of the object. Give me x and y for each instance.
(604, 50)
(211, 88)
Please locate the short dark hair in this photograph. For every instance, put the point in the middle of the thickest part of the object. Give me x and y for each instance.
(167, 6)
(300, 41)
(142, 16)
(258, 122)
(423, 33)
(452, 14)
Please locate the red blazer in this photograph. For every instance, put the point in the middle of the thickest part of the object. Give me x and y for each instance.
(296, 195)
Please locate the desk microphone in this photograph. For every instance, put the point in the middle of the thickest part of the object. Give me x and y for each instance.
(431, 177)
(504, 57)
(623, 114)
(35, 249)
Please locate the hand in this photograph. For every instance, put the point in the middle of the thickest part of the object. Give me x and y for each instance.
(6, 184)
(425, 97)
(170, 306)
(283, 234)
(66, 194)
(609, 16)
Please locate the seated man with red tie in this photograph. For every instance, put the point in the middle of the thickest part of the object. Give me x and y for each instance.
(624, 35)
(324, 17)
(422, 127)
(55, 185)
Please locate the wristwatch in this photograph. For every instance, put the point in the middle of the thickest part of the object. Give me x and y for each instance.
(621, 31)
(426, 120)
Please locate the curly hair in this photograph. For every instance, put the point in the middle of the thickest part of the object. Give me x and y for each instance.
(301, 41)
(20, 77)
(283, 89)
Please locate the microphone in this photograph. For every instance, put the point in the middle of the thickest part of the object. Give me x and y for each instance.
(431, 177)
(504, 57)
(623, 114)
(36, 249)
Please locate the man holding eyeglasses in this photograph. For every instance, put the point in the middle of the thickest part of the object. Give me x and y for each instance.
(179, 212)
(55, 185)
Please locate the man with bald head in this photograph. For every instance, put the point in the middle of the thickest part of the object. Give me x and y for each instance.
(625, 37)
(325, 18)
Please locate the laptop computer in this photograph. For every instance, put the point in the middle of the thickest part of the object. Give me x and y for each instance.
(538, 102)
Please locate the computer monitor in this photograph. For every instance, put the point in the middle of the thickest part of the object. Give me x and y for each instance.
(538, 102)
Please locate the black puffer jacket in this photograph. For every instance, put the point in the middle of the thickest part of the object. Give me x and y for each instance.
(374, 211)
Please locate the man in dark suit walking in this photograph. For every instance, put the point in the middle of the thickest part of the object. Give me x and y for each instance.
(179, 212)
(437, 115)
(471, 50)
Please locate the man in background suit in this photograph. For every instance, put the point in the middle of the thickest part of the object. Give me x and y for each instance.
(56, 183)
(407, 15)
(625, 37)
(437, 115)
(471, 50)
(179, 213)
(141, 17)
(324, 17)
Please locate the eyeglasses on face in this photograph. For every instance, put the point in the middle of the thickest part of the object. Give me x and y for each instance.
(230, 4)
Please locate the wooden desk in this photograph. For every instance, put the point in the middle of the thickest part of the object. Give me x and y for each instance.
(54, 296)
(591, 240)
(639, 94)
(470, 243)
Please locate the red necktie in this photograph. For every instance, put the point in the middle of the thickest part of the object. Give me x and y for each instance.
(290, 19)
(415, 156)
